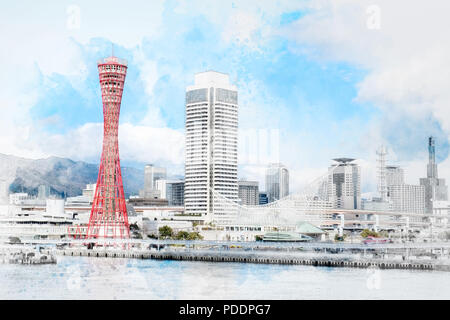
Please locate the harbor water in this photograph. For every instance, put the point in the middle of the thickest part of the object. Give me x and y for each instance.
(106, 278)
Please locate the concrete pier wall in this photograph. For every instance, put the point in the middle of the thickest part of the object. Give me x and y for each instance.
(266, 258)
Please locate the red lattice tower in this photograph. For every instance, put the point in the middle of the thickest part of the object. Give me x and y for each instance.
(109, 217)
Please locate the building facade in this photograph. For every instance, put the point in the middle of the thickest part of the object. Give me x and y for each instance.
(211, 146)
(151, 175)
(407, 198)
(172, 190)
(394, 176)
(263, 199)
(248, 192)
(277, 182)
(43, 192)
(435, 188)
(344, 184)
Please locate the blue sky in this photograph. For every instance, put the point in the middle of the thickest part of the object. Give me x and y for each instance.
(315, 72)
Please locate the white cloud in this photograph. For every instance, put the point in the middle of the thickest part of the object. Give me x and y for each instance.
(242, 28)
(136, 143)
(407, 62)
(407, 59)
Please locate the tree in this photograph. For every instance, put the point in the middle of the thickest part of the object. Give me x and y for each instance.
(337, 237)
(368, 233)
(14, 240)
(182, 235)
(134, 227)
(195, 236)
(165, 232)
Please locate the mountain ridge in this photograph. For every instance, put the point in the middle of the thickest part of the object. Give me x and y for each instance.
(64, 176)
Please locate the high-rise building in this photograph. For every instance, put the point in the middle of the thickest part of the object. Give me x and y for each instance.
(43, 192)
(263, 199)
(435, 188)
(403, 197)
(172, 190)
(381, 166)
(151, 175)
(394, 176)
(211, 146)
(249, 192)
(344, 184)
(277, 181)
(407, 198)
(109, 218)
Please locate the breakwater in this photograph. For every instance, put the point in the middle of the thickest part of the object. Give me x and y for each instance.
(268, 257)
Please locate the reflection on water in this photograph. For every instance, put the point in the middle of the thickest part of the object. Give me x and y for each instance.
(106, 278)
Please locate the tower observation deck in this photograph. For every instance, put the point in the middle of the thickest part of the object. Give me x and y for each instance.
(109, 217)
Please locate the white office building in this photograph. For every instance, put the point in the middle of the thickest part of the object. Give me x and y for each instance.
(407, 198)
(211, 146)
(394, 176)
(277, 181)
(344, 184)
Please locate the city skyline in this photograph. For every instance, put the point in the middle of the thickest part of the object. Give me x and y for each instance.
(288, 83)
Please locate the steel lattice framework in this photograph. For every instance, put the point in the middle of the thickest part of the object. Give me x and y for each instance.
(109, 217)
(309, 206)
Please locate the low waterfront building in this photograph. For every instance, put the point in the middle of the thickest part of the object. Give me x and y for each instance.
(286, 237)
(148, 202)
(24, 199)
(151, 226)
(28, 224)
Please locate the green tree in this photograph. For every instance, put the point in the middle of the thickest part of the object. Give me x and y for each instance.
(182, 235)
(165, 232)
(339, 238)
(368, 233)
(134, 227)
(195, 236)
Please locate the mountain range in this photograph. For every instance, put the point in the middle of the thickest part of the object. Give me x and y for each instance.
(64, 176)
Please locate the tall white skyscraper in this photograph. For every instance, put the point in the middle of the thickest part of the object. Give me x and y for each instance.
(211, 146)
(277, 181)
(344, 184)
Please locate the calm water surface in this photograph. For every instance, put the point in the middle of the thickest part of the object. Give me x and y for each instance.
(103, 278)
